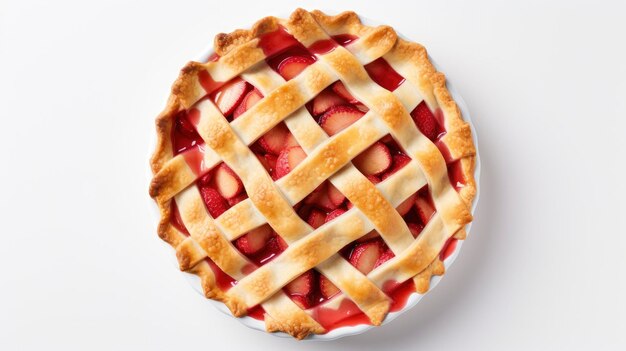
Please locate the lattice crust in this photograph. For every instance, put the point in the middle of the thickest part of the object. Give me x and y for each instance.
(328, 158)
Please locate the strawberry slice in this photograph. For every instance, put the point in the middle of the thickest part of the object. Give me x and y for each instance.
(312, 198)
(327, 288)
(424, 208)
(227, 182)
(230, 95)
(375, 160)
(319, 197)
(254, 240)
(248, 101)
(268, 161)
(282, 244)
(288, 160)
(399, 161)
(365, 255)
(316, 218)
(334, 214)
(337, 118)
(362, 107)
(304, 302)
(386, 256)
(301, 288)
(341, 90)
(415, 228)
(334, 195)
(290, 140)
(292, 66)
(387, 139)
(325, 100)
(215, 203)
(324, 202)
(237, 199)
(426, 121)
(274, 140)
(275, 246)
(302, 285)
(406, 205)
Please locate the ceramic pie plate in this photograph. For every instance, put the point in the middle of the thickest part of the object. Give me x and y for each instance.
(415, 297)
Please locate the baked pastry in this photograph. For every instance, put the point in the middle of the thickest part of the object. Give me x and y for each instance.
(313, 172)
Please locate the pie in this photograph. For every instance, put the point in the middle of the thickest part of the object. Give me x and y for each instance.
(313, 172)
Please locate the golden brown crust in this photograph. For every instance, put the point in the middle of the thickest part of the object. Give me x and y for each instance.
(239, 51)
(468, 192)
(226, 42)
(304, 28)
(299, 257)
(299, 327)
(422, 280)
(163, 150)
(458, 136)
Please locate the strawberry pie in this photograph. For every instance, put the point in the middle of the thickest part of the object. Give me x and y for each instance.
(313, 172)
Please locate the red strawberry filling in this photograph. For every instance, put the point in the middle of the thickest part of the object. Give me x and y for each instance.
(184, 134)
(273, 142)
(294, 65)
(277, 41)
(229, 96)
(289, 63)
(342, 91)
(338, 118)
(301, 289)
(249, 100)
(426, 121)
(215, 203)
(227, 182)
(255, 240)
(325, 100)
(382, 73)
(335, 108)
(374, 160)
(327, 288)
(365, 255)
(288, 159)
(344, 39)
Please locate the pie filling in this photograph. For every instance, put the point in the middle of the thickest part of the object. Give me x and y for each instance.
(334, 109)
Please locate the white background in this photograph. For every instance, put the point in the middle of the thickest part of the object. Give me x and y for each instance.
(82, 267)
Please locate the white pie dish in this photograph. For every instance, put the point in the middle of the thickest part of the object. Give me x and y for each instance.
(414, 297)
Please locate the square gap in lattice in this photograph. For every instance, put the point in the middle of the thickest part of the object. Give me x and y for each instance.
(220, 189)
(260, 245)
(334, 108)
(305, 290)
(324, 204)
(383, 74)
(235, 97)
(381, 160)
(278, 151)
